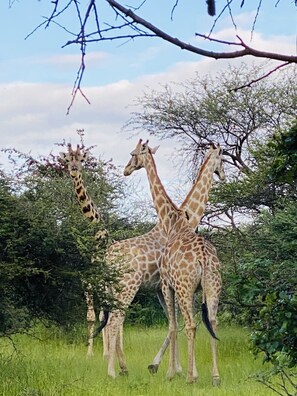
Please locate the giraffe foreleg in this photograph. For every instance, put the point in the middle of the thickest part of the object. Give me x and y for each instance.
(112, 333)
(130, 285)
(168, 294)
(120, 349)
(91, 318)
(105, 338)
(153, 368)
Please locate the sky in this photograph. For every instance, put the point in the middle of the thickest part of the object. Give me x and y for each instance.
(37, 74)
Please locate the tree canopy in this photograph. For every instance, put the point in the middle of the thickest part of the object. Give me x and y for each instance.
(48, 250)
(209, 109)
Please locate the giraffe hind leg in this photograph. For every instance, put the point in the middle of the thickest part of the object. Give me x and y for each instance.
(212, 306)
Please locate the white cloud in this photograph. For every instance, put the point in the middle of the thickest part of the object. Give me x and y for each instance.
(71, 60)
(33, 116)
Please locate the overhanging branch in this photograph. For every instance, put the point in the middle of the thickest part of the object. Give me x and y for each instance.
(247, 50)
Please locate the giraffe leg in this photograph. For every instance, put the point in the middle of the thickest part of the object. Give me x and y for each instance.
(212, 306)
(186, 306)
(112, 334)
(120, 349)
(168, 294)
(91, 318)
(212, 289)
(153, 368)
(105, 338)
(177, 359)
(130, 285)
(192, 375)
(90, 351)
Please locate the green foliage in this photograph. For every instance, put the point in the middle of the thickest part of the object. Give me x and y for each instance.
(48, 253)
(284, 163)
(260, 258)
(260, 281)
(145, 309)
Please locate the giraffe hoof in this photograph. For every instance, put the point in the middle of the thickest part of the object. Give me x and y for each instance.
(216, 381)
(123, 372)
(192, 380)
(153, 368)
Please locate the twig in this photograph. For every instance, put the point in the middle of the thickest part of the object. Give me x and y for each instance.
(255, 19)
(249, 84)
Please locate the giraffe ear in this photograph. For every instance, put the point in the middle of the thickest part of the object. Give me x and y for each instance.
(62, 156)
(154, 149)
(84, 157)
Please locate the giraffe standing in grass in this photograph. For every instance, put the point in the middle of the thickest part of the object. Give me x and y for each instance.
(145, 261)
(139, 255)
(74, 160)
(185, 262)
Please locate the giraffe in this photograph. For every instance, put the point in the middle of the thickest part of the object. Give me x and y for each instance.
(145, 271)
(185, 263)
(139, 254)
(74, 160)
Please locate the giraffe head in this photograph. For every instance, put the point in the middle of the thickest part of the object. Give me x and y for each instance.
(216, 154)
(138, 157)
(74, 158)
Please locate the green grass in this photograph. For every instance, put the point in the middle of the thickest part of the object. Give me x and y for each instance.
(55, 365)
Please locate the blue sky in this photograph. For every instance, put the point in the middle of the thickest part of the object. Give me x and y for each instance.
(36, 59)
(36, 75)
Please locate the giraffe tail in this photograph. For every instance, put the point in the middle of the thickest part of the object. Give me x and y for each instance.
(103, 323)
(205, 320)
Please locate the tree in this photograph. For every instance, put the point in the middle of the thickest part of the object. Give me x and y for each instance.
(109, 20)
(260, 264)
(47, 249)
(209, 109)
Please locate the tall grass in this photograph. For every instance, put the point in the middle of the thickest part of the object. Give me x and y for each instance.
(54, 364)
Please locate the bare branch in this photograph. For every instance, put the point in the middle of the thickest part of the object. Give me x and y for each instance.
(217, 40)
(256, 17)
(250, 83)
(191, 48)
(219, 16)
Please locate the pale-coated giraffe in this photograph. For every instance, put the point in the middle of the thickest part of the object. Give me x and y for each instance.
(185, 262)
(139, 254)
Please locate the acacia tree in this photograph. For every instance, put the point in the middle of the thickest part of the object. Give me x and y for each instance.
(209, 109)
(110, 20)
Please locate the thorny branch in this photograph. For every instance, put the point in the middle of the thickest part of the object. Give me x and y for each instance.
(134, 26)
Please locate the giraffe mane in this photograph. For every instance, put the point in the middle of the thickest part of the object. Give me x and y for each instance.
(196, 181)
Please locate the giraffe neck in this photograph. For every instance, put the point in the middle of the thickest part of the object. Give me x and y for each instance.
(196, 200)
(88, 208)
(166, 210)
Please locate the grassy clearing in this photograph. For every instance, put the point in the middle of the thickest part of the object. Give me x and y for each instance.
(56, 366)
